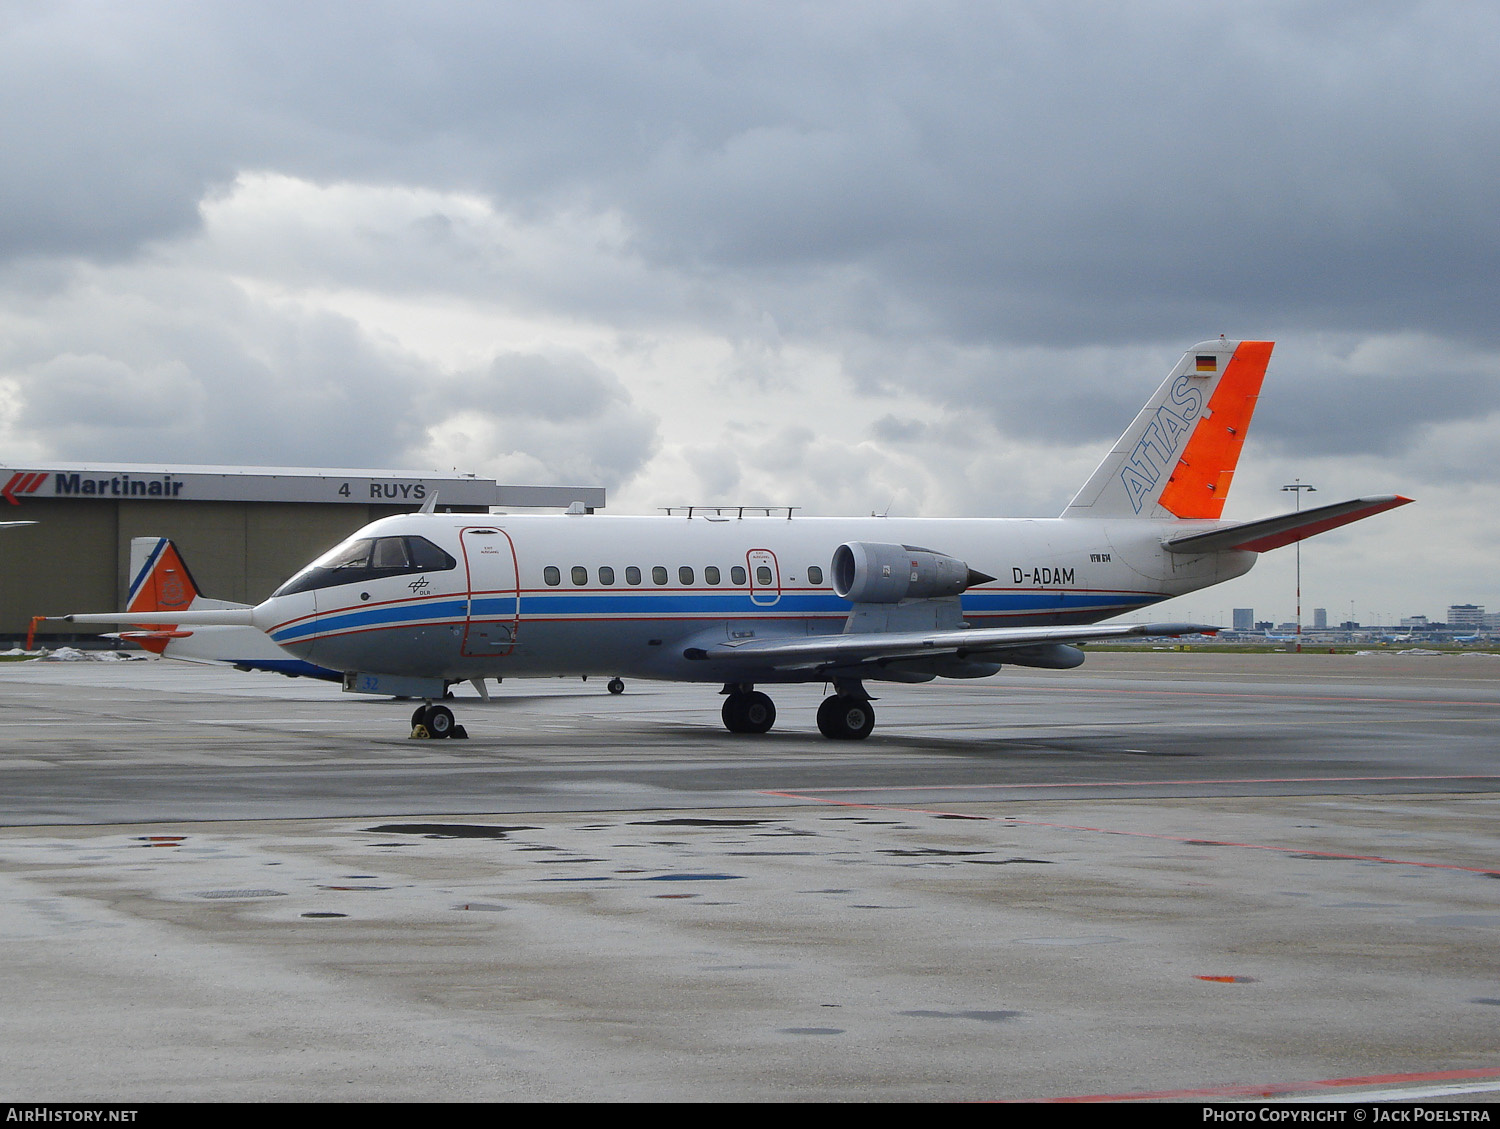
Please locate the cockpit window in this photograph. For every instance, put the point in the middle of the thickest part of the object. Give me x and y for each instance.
(369, 558)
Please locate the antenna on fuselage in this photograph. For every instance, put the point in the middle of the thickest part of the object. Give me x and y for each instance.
(429, 506)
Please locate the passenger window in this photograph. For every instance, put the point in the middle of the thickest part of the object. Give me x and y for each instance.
(737, 575)
(632, 575)
(814, 574)
(762, 574)
(711, 575)
(551, 575)
(685, 574)
(658, 574)
(580, 575)
(606, 574)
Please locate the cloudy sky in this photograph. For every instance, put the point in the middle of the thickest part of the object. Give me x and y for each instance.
(851, 256)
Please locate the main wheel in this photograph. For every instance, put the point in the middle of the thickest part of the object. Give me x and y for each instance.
(749, 713)
(733, 713)
(760, 713)
(420, 717)
(616, 686)
(845, 719)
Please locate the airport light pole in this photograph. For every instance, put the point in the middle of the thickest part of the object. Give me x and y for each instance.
(1297, 487)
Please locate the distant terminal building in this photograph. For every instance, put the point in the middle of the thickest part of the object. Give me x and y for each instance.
(1320, 619)
(242, 530)
(1468, 617)
(1244, 619)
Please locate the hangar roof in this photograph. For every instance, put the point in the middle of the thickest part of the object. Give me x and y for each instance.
(186, 483)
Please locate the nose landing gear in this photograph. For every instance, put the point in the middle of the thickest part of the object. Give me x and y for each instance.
(433, 723)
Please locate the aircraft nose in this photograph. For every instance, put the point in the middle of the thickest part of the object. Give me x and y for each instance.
(276, 614)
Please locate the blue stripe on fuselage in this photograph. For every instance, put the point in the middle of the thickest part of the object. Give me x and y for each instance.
(695, 605)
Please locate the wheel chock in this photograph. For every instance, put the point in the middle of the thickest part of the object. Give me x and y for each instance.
(459, 734)
(419, 733)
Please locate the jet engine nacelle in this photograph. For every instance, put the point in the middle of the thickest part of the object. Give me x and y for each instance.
(866, 572)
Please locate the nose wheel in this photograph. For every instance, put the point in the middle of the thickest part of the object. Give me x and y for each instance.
(434, 723)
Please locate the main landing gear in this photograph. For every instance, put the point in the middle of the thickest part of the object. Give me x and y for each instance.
(844, 716)
(748, 711)
(434, 723)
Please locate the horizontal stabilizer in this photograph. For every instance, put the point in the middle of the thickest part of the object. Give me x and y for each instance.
(807, 652)
(1274, 532)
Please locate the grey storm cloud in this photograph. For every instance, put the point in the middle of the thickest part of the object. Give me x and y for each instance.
(576, 420)
(150, 376)
(1005, 172)
(551, 388)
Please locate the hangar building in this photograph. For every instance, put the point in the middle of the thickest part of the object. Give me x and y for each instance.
(241, 530)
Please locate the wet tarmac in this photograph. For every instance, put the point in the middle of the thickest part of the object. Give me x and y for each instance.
(1168, 874)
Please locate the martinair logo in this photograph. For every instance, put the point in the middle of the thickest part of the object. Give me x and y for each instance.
(22, 482)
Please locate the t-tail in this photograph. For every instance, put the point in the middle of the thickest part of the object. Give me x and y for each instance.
(172, 618)
(160, 582)
(1177, 459)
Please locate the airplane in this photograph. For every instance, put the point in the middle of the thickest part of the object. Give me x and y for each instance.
(14, 524)
(750, 596)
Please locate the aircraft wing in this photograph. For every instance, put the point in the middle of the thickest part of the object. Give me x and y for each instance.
(984, 644)
(1274, 532)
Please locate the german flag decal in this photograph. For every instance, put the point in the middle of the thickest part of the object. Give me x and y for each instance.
(1207, 362)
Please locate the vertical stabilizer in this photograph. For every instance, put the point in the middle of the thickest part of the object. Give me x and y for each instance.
(1178, 458)
(159, 581)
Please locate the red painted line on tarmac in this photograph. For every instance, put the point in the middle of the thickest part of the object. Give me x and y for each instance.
(1280, 1089)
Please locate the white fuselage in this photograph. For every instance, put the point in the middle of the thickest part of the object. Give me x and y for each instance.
(593, 594)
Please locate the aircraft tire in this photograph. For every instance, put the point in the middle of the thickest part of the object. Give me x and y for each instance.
(616, 686)
(759, 713)
(440, 722)
(419, 717)
(733, 713)
(845, 719)
(749, 713)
